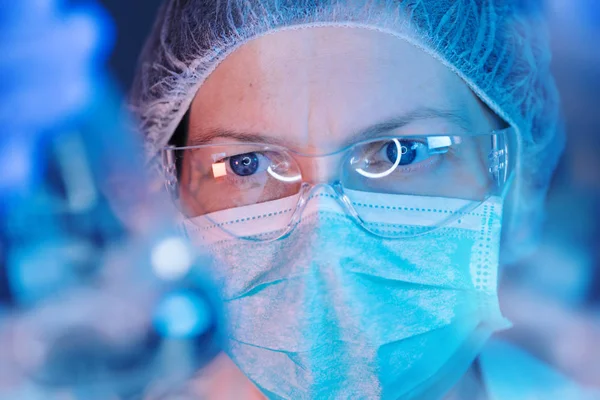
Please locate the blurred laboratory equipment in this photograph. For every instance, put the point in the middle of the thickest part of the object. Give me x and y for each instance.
(100, 297)
(553, 295)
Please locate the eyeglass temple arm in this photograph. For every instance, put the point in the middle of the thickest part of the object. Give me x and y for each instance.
(170, 171)
(498, 159)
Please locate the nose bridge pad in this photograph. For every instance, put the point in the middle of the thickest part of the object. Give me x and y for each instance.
(321, 189)
(325, 197)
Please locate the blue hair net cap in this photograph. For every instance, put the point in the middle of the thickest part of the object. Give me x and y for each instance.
(498, 47)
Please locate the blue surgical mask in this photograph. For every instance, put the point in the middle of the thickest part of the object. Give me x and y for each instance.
(331, 311)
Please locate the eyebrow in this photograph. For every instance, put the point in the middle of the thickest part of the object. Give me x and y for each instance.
(456, 117)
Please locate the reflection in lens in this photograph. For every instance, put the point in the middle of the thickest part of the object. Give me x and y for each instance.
(275, 175)
(383, 174)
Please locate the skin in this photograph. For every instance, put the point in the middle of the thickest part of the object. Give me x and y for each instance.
(313, 90)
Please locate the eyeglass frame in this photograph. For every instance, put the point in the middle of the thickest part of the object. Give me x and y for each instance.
(498, 166)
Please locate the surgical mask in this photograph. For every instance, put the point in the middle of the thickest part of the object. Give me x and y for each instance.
(332, 311)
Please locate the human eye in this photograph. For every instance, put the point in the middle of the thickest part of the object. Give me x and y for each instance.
(400, 156)
(247, 164)
(404, 152)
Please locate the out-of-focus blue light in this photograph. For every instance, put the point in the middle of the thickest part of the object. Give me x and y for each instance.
(182, 315)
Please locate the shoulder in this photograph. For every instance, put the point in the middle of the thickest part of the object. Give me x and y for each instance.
(509, 372)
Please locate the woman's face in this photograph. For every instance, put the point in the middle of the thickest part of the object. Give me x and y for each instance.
(318, 90)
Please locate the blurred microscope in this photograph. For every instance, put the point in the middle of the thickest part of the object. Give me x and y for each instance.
(100, 297)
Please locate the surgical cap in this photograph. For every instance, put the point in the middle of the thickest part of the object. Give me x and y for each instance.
(498, 47)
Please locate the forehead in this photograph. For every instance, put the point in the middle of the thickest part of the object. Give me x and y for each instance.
(322, 84)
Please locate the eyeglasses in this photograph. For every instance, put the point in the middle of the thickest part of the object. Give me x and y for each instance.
(209, 178)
